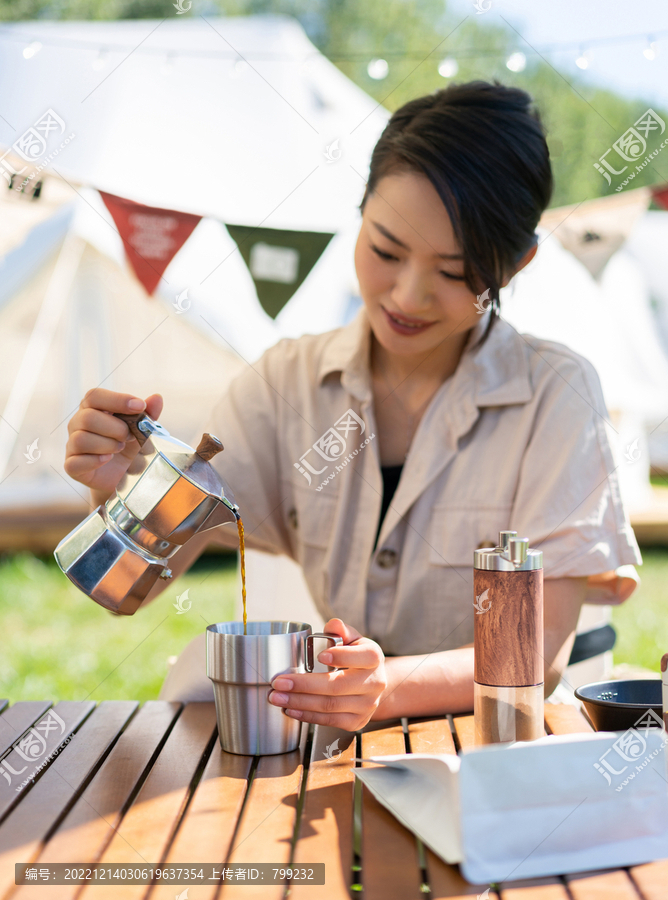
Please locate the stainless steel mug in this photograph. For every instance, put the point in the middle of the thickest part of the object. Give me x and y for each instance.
(242, 667)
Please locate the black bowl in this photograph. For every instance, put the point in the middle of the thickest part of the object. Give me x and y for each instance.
(617, 705)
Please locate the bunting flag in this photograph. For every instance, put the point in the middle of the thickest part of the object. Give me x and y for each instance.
(660, 195)
(596, 229)
(152, 237)
(278, 261)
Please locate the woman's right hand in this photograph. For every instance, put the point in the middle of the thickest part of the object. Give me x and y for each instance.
(100, 448)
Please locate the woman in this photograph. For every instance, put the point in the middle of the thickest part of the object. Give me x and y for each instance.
(455, 426)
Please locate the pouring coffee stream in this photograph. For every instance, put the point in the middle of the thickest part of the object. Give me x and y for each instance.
(242, 561)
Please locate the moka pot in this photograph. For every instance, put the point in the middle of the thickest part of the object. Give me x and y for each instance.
(170, 493)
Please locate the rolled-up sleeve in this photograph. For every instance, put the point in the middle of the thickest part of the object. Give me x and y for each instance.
(568, 500)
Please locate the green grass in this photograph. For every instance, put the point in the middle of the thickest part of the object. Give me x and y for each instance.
(57, 644)
(642, 622)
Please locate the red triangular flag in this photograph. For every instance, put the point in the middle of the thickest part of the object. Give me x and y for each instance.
(660, 195)
(152, 237)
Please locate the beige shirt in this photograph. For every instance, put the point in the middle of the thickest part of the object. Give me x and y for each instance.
(517, 438)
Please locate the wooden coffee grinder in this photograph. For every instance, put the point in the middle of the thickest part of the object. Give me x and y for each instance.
(508, 641)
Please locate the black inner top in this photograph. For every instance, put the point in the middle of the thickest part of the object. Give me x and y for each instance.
(391, 476)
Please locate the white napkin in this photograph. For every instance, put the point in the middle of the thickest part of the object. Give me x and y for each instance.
(567, 803)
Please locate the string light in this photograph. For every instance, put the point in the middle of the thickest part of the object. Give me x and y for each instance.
(32, 49)
(448, 67)
(378, 69)
(516, 62)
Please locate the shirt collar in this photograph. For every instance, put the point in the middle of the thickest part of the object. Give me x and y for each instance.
(499, 370)
(349, 352)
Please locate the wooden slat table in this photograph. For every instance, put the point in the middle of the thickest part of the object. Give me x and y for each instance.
(140, 786)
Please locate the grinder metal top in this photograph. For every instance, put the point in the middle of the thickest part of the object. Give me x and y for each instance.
(512, 555)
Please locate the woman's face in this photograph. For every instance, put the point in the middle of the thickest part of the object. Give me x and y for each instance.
(410, 267)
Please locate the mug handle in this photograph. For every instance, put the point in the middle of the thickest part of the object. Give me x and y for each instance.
(334, 638)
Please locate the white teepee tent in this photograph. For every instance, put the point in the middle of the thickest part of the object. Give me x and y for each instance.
(229, 118)
(647, 246)
(241, 121)
(609, 320)
(74, 320)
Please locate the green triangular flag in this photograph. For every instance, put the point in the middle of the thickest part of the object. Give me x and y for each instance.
(278, 260)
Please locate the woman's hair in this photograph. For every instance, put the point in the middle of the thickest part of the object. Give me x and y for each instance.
(483, 148)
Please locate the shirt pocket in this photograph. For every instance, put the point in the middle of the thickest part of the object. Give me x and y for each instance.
(456, 531)
(310, 516)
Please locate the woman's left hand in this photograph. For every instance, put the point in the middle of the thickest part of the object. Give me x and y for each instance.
(346, 698)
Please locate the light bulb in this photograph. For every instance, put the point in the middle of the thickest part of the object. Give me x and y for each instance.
(377, 69)
(239, 66)
(32, 49)
(516, 62)
(448, 67)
